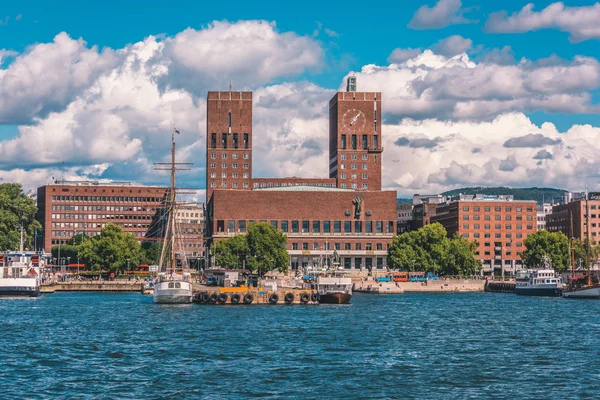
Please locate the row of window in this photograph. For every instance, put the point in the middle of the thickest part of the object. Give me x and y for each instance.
(346, 262)
(101, 216)
(225, 141)
(234, 165)
(497, 226)
(365, 139)
(498, 208)
(498, 217)
(354, 166)
(224, 174)
(354, 176)
(102, 208)
(107, 198)
(233, 185)
(497, 235)
(224, 156)
(355, 157)
(285, 184)
(337, 246)
(306, 226)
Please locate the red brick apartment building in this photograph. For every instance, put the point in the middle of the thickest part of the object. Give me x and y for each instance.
(569, 218)
(345, 214)
(499, 224)
(66, 208)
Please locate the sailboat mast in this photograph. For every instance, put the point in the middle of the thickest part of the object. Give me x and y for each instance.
(587, 237)
(172, 205)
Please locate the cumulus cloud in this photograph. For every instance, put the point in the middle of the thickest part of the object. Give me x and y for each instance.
(580, 22)
(453, 45)
(418, 143)
(431, 85)
(48, 76)
(543, 155)
(530, 140)
(400, 55)
(508, 164)
(443, 13)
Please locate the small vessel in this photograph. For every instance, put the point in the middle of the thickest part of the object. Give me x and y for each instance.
(20, 273)
(172, 287)
(539, 282)
(332, 285)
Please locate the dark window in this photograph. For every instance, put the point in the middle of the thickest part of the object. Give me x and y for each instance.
(379, 227)
(369, 226)
(246, 144)
(343, 142)
(242, 226)
(224, 140)
(357, 226)
(358, 262)
(284, 225)
(229, 119)
(358, 246)
(274, 224)
(235, 140)
(353, 142)
(294, 246)
(304, 226)
(379, 246)
(231, 226)
(337, 226)
(375, 144)
(347, 261)
(348, 226)
(316, 226)
(364, 142)
(304, 246)
(336, 246)
(294, 226)
(326, 227)
(213, 140)
(347, 246)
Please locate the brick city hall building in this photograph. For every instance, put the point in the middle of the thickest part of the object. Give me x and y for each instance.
(346, 212)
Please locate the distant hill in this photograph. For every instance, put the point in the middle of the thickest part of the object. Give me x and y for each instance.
(540, 195)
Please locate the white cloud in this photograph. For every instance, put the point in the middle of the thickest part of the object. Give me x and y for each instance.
(47, 76)
(580, 22)
(453, 45)
(443, 13)
(250, 53)
(431, 85)
(400, 55)
(453, 163)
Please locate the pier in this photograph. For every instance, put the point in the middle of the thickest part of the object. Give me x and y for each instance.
(92, 286)
(500, 287)
(245, 296)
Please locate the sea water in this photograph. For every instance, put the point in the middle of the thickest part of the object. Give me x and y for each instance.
(437, 346)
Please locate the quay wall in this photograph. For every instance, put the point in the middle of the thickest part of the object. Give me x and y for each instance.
(108, 286)
(442, 286)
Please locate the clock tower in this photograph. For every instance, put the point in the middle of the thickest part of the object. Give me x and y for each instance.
(355, 146)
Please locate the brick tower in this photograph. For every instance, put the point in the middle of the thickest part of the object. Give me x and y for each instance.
(228, 141)
(355, 145)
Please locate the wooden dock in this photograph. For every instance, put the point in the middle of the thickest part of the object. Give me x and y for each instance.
(246, 296)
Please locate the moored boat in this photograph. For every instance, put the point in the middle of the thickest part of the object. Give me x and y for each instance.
(580, 287)
(20, 273)
(539, 282)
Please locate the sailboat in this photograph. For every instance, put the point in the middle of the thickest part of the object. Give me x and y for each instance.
(583, 286)
(172, 287)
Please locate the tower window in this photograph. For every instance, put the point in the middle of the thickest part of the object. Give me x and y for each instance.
(364, 142)
(229, 119)
(224, 140)
(245, 141)
(213, 141)
(343, 142)
(353, 142)
(235, 140)
(375, 144)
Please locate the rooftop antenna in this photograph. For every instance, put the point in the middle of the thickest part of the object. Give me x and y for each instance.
(230, 85)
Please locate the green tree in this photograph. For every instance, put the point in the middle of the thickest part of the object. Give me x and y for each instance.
(16, 209)
(232, 252)
(267, 248)
(151, 253)
(554, 245)
(423, 250)
(581, 252)
(113, 250)
(460, 259)
(66, 251)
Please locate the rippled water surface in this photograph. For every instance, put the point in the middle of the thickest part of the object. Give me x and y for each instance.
(79, 345)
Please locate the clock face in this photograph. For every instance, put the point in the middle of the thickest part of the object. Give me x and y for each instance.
(354, 120)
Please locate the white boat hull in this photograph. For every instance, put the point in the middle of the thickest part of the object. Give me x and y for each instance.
(164, 294)
(590, 293)
(17, 287)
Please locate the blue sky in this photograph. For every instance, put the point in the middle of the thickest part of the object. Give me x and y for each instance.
(341, 37)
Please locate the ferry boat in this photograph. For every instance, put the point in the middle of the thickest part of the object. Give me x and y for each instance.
(539, 282)
(172, 287)
(20, 273)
